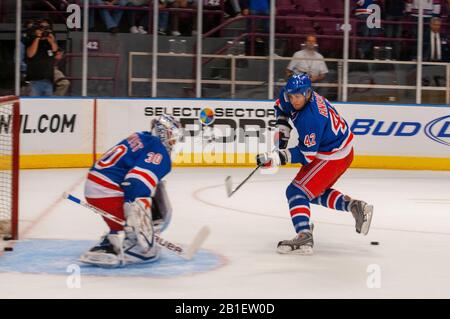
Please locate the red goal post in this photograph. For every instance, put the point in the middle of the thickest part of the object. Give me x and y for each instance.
(9, 166)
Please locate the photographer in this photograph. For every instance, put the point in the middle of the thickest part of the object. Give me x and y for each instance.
(41, 47)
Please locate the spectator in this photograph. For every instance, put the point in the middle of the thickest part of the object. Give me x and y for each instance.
(41, 47)
(111, 18)
(258, 7)
(234, 8)
(175, 16)
(431, 8)
(209, 21)
(27, 33)
(311, 61)
(435, 43)
(138, 19)
(28, 26)
(394, 12)
(163, 22)
(61, 83)
(362, 13)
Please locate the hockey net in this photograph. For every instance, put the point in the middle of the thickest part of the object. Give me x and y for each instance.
(9, 166)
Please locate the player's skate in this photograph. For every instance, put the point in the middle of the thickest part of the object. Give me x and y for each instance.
(302, 244)
(362, 212)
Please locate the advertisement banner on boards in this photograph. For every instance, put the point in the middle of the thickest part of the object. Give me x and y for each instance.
(216, 132)
(60, 132)
(56, 126)
(223, 131)
(56, 132)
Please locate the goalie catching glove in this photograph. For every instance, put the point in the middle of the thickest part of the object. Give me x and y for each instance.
(273, 159)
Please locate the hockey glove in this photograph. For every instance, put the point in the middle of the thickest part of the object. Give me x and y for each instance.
(284, 132)
(273, 159)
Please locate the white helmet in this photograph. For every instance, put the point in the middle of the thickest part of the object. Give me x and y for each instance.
(168, 129)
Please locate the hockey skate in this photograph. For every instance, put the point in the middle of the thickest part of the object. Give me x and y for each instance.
(107, 253)
(302, 244)
(116, 250)
(362, 212)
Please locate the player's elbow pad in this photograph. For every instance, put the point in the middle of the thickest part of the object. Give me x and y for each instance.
(284, 131)
(285, 157)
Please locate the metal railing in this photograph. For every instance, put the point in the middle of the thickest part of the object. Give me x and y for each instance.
(341, 85)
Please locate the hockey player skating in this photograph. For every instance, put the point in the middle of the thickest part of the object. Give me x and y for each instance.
(325, 150)
(127, 183)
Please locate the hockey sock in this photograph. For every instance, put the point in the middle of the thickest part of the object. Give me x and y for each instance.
(333, 199)
(299, 208)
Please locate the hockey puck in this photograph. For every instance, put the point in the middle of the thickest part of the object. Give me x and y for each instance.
(375, 243)
(8, 249)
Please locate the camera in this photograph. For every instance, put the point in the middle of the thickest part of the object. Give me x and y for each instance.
(42, 25)
(45, 31)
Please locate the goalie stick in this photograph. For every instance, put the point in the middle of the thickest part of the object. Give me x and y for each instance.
(186, 253)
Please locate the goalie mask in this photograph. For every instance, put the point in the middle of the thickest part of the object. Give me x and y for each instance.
(168, 129)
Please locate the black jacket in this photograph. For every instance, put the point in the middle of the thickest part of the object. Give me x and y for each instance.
(427, 47)
(40, 66)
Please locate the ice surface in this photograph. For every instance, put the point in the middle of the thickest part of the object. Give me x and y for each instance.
(411, 221)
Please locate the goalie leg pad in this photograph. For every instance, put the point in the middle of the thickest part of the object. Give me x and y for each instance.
(139, 223)
(133, 254)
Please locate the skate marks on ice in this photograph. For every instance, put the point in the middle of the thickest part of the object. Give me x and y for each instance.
(50, 256)
(202, 195)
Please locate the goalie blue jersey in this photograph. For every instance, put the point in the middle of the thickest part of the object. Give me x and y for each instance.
(132, 169)
(322, 132)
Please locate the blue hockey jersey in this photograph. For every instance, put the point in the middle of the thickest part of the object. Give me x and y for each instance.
(362, 7)
(132, 168)
(322, 132)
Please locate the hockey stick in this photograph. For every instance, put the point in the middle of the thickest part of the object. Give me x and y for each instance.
(186, 253)
(229, 183)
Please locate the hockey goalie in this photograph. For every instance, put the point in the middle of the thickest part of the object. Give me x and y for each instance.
(127, 183)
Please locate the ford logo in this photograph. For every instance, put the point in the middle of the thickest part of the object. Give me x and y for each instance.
(439, 130)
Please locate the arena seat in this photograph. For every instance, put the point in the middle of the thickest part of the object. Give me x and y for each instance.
(333, 8)
(308, 7)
